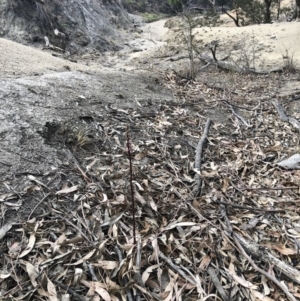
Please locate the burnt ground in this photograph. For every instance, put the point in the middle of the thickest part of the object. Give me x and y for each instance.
(42, 116)
(65, 179)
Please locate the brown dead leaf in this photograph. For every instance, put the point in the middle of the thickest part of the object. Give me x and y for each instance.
(30, 245)
(102, 292)
(32, 273)
(239, 279)
(4, 229)
(51, 291)
(67, 190)
(148, 271)
(282, 249)
(106, 264)
(205, 261)
(83, 259)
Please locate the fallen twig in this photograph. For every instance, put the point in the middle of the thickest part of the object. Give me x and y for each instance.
(251, 208)
(41, 201)
(69, 290)
(262, 254)
(176, 268)
(199, 150)
(79, 231)
(269, 188)
(282, 115)
(131, 184)
(267, 275)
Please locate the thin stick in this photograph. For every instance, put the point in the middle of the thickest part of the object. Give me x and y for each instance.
(131, 184)
(251, 208)
(69, 290)
(199, 149)
(174, 267)
(38, 205)
(269, 188)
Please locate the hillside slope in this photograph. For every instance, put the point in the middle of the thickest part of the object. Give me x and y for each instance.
(85, 25)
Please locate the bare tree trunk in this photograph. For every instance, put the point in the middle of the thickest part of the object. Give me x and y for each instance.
(213, 3)
(268, 11)
(298, 8)
(278, 9)
(235, 19)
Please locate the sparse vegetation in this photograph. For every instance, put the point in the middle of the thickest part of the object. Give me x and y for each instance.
(188, 22)
(152, 17)
(289, 63)
(247, 55)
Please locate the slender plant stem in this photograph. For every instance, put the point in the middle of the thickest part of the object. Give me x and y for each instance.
(131, 183)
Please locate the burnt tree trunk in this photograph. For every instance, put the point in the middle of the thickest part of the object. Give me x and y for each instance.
(298, 8)
(268, 11)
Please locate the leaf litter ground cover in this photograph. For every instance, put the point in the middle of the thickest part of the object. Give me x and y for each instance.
(75, 241)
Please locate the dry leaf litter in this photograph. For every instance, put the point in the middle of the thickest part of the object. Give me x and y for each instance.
(77, 242)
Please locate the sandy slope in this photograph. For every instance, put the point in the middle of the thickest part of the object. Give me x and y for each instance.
(19, 59)
(269, 42)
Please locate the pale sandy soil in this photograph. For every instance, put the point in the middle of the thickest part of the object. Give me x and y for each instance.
(270, 43)
(19, 59)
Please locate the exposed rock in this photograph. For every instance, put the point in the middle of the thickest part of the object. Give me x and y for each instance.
(82, 25)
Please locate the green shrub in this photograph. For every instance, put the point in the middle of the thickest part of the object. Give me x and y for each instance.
(152, 17)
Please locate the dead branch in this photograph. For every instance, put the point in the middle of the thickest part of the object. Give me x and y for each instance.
(236, 239)
(233, 67)
(251, 208)
(282, 115)
(199, 149)
(205, 67)
(212, 46)
(42, 200)
(71, 157)
(241, 118)
(229, 66)
(137, 276)
(257, 252)
(174, 267)
(131, 183)
(262, 253)
(69, 290)
(79, 231)
(270, 188)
